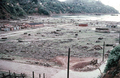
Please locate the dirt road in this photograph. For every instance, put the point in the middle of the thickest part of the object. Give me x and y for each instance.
(73, 74)
(50, 72)
(26, 68)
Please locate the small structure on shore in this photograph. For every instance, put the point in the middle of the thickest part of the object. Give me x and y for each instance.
(28, 25)
(114, 14)
(84, 24)
(111, 26)
(9, 27)
(35, 24)
(102, 30)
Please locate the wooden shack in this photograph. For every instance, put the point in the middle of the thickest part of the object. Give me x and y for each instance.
(102, 30)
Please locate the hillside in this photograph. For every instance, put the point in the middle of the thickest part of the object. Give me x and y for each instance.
(11, 9)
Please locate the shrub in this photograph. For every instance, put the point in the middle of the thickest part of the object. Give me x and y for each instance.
(113, 59)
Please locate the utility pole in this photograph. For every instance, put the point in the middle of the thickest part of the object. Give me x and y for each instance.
(68, 63)
(103, 51)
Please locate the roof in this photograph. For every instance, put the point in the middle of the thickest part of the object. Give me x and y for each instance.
(34, 23)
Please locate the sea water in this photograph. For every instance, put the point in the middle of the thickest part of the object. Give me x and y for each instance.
(108, 17)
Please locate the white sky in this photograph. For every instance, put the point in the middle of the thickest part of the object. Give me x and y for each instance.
(113, 3)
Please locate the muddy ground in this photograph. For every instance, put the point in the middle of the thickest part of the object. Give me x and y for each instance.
(54, 39)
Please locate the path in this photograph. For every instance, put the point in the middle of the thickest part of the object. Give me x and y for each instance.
(49, 71)
(73, 74)
(26, 68)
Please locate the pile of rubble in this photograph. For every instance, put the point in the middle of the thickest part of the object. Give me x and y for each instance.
(10, 27)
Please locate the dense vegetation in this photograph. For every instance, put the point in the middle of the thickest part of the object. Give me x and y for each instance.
(17, 8)
(113, 64)
(113, 59)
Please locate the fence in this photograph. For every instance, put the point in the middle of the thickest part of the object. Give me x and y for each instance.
(14, 75)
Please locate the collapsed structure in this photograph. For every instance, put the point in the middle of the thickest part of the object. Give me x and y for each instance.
(9, 27)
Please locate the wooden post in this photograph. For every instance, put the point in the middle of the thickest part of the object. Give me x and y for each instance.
(14, 75)
(3, 75)
(119, 38)
(39, 75)
(68, 63)
(33, 74)
(22, 75)
(103, 51)
(9, 74)
(43, 75)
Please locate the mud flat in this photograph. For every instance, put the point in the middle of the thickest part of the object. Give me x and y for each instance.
(42, 46)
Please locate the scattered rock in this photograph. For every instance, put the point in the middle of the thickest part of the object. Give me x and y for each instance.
(29, 34)
(54, 32)
(66, 41)
(38, 33)
(79, 30)
(43, 35)
(97, 47)
(94, 62)
(25, 33)
(97, 41)
(97, 54)
(45, 64)
(4, 38)
(8, 50)
(89, 44)
(36, 62)
(76, 34)
(109, 44)
(20, 40)
(100, 38)
(85, 47)
(23, 51)
(58, 30)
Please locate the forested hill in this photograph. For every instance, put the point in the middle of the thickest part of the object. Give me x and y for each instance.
(17, 8)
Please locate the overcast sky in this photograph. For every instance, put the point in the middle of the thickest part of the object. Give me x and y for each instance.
(113, 3)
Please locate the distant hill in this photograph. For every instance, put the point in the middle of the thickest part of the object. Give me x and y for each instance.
(11, 9)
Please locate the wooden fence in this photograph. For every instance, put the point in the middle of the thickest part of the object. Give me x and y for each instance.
(14, 75)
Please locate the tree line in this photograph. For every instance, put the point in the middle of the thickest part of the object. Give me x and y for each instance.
(19, 8)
